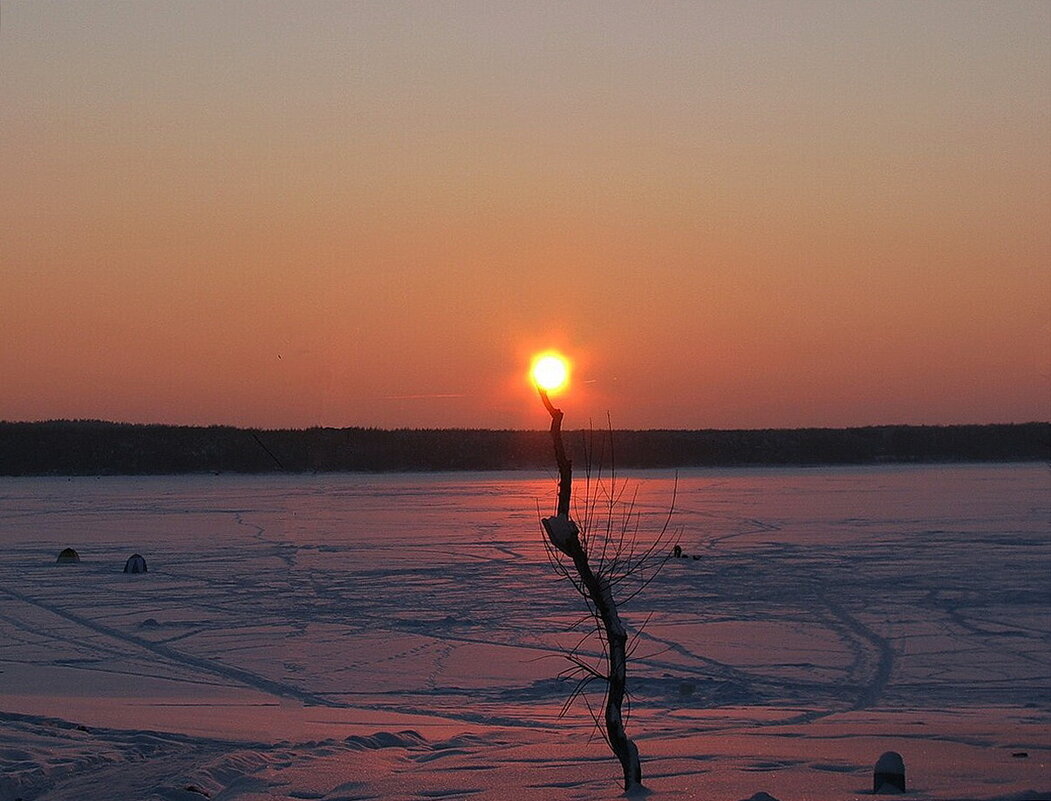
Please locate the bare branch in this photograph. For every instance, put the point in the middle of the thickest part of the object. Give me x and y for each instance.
(620, 558)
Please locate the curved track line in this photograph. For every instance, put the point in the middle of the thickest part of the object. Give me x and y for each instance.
(238, 675)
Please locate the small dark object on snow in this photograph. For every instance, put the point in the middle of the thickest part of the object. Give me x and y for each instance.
(68, 557)
(889, 774)
(677, 552)
(1020, 754)
(193, 788)
(696, 557)
(135, 564)
(760, 797)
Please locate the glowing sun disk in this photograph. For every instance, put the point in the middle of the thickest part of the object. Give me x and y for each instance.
(550, 371)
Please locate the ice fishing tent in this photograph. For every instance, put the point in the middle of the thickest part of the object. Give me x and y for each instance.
(68, 557)
(889, 774)
(135, 564)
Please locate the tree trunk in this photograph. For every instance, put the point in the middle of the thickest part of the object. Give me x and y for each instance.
(564, 535)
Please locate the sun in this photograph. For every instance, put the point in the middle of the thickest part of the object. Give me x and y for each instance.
(550, 371)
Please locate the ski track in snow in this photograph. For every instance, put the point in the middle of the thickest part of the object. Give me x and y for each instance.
(167, 653)
(831, 614)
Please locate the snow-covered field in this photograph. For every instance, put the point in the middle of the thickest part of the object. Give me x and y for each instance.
(398, 637)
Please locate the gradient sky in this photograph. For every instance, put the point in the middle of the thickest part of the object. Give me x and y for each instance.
(730, 214)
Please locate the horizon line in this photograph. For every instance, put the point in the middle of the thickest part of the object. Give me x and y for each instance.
(99, 421)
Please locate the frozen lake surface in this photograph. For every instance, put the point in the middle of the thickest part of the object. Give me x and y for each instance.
(399, 636)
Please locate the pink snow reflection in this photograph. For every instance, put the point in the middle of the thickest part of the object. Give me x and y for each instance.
(819, 617)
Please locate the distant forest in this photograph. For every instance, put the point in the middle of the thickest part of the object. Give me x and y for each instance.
(87, 447)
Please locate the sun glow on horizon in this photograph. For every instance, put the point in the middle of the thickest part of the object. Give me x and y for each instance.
(491, 187)
(550, 371)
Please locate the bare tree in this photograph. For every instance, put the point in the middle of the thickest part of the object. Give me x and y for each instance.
(603, 552)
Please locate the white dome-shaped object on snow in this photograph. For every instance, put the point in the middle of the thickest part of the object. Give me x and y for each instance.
(135, 564)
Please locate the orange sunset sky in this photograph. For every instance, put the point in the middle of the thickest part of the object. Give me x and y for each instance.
(729, 214)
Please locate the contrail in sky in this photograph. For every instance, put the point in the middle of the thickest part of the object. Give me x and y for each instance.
(422, 397)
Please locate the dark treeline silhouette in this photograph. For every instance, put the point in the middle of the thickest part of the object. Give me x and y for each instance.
(88, 447)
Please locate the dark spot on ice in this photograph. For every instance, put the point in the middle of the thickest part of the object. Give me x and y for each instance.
(385, 739)
(192, 788)
(1020, 754)
(149, 623)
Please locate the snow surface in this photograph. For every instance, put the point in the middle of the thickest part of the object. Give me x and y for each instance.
(398, 637)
